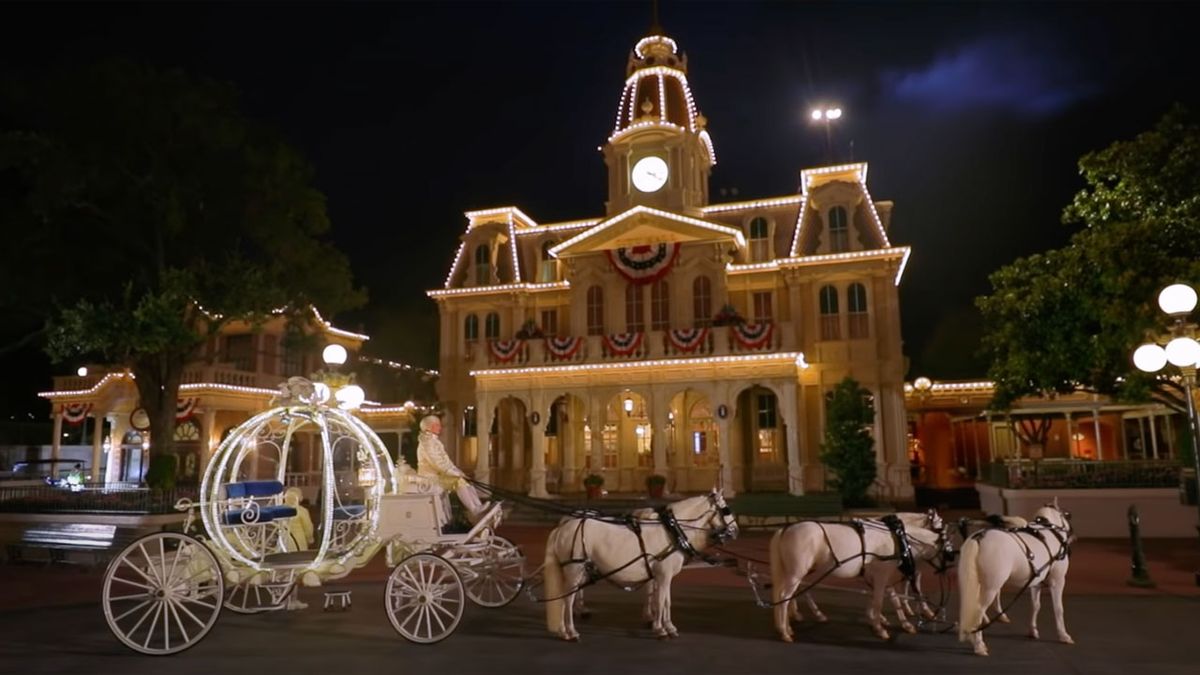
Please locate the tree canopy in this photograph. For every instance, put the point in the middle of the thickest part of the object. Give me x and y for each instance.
(1070, 318)
(146, 212)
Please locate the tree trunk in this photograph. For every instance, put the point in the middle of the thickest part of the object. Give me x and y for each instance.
(158, 378)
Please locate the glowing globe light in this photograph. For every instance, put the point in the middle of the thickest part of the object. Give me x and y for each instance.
(1150, 358)
(1177, 299)
(350, 397)
(833, 114)
(1183, 351)
(923, 384)
(334, 355)
(816, 114)
(82, 372)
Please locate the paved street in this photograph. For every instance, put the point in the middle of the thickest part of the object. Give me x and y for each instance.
(1116, 629)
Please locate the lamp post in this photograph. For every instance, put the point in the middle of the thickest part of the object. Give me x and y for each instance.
(827, 115)
(1182, 351)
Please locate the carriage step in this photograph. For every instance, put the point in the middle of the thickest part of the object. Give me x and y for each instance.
(337, 600)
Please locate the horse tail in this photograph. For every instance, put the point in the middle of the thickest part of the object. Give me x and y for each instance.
(777, 563)
(553, 585)
(970, 605)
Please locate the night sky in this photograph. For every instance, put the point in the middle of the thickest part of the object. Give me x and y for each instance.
(972, 117)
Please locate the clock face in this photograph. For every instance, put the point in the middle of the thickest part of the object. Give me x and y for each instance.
(650, 174)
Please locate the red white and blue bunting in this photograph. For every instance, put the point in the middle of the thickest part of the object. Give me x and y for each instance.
(644, 264)
(185, 407)
(753, 335)
(564, 348)
(75, 413)
(622, 344)
(505, 350)
(687, 340)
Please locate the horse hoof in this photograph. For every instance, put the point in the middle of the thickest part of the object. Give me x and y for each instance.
(821, 618)
(1003, 618)
(910, 629)
(981, 652)
(1033, 635)
(1066, 640)
(787, 638)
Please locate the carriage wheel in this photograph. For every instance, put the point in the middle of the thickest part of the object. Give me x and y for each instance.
(162, 593)
(424, 598)
(267, 596)
(499, 574)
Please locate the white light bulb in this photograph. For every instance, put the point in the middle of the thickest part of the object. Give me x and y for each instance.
(1183, 351)
(1150, 358)
(834, 114)
(334, 355)
(82, 372)
(923, 383)
(1177, 299)
(350, 397)
(816, 114)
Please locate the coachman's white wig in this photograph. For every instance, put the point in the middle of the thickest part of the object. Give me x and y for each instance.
(428, 420)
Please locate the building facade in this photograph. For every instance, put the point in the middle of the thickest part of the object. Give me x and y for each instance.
(235, 375)
(670, 335)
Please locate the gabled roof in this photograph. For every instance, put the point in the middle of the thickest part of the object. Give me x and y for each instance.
(643, 225)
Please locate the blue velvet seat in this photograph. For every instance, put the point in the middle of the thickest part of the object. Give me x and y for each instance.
(349, 511)
(265, 514)
(253, 489)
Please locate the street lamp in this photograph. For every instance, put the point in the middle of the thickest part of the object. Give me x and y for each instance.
(827, 115)
(1182, 351)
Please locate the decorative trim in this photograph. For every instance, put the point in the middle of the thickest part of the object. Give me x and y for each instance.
(564, 348)
(623, 344)
(75, 413)
(753, 335)
(687, 340)
(505, 351)
(185, 407)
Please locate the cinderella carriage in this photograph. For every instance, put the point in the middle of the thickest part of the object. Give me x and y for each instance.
(238, 549)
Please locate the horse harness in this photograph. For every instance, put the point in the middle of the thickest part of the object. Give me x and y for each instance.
(1036, 529)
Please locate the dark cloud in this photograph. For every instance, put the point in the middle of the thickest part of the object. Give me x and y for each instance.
(1021, 74)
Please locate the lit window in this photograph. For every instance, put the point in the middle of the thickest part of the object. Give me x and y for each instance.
(839, 232)
(595, 311)
(471, 329)
(492, 326)
(760, 243)
(642, 436)
(550, 322)
(483, 265)
(856, 304)
(660, 306)
(762, 307)
(830, 320)
(609, 439)
(634, 317)
(548, 271)
(702, 301)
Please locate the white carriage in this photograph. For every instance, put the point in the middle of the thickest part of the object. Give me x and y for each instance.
(163, 593)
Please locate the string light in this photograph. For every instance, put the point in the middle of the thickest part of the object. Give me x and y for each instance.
(510, 213)
(85, 392)
(512, 247)
(795, 250)
(663, 39)
(706, 139)
(501, 288)
(669, 126)
(558, 227)
(902, 251)
(796, 358)
(858, 168)
(237, 389)
(397, 365)
(454, 267)
(752, 204)
(722, 229)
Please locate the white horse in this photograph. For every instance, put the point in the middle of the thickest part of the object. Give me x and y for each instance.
(618, 553)
(840, 550)
(1033, 557)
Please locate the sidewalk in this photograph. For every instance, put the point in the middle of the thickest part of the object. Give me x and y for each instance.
(1098, 567)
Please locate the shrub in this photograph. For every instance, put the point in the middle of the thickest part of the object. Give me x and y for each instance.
(593, 480)
(161, 473)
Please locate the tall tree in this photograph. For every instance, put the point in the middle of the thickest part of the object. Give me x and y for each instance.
(149, 212)
(1070, 318)
(848, 449)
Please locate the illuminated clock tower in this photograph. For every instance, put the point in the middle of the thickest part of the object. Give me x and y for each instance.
(659, 154)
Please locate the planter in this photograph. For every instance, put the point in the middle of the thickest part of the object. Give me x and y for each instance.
(656, 491)
(593, 491)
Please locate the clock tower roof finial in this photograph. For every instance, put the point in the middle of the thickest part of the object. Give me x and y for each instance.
(656, 86)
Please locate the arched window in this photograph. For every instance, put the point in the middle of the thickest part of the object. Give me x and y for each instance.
(483, 265)
(839, 233)
(548, 271)
(471, 329)
(760, 242)
(635, 321)
(702, 301)
(660, 306)
(491, 326)
(830, 320)
(856, 306)
(595, 311)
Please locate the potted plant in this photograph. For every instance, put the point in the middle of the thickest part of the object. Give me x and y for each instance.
(655, 485)
(529, 330)
(593, 482)
(728, 316)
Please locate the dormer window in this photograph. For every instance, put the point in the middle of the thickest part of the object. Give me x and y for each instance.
(548, 270)
(839, 231)
(760, 240)
(483, 265)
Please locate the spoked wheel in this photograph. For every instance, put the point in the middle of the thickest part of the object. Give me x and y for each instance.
(424, 598)
(496, 578)
(162, 593)
(268, 595)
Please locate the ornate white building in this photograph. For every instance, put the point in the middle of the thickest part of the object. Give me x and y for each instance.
(607, 345)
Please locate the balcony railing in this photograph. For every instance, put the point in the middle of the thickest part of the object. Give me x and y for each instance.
(91, 498)
(221, 373)
(1082, 474)
(592, 349)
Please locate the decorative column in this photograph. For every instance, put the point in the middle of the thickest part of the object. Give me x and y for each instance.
(660, 425)
(566, 445)
(56, 441)
(1099, 438)
(119, 423)
(1153, 437)
(97, 447)
(537, 473)
(1070, 436)
(483, 437)
(597, 424)
(208, 423)
(516, 437)
(726, 478)
(795, 470)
